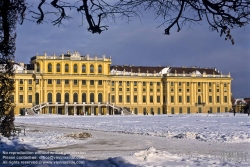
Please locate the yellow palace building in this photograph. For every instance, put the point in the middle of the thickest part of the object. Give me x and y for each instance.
(72, 84)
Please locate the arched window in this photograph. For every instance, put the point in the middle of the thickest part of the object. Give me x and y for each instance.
(58, 68)
(38, 67)
(100, 69)
(37, 98)
(58, 97)
(91, 68)
(100, 97)
(49, 67)
(83, 68)
(92, 97)
(75, 68)
(75, 97)
(66, 97)
(50, 97)
(84, 97)
(66, 68)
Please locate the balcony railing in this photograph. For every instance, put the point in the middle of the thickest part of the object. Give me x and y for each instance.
(200, 104)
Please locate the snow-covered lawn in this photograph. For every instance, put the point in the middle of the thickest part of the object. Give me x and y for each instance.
(212, 128)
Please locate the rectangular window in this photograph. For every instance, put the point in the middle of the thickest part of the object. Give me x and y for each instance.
(113, 83)
(92, 82)
(75, 82)
(66, 81)
(218, 109)
(187, 83)
(159, 110)
(225, 85)
(135, 89)
(151, 90)
(21, 88)
(225, 99)
(158, 90)
(128, 89)
(135, 83)
(112, 98)
(83, 82)
(37, 81)
(180, 110)
(199, 84)
(144, 99)
(135, 98)
(200, 110)
(158, 83)
(188, 110)
(144, 90)
(49, 81)
(135, 111)
(210, 84)
(30, 98)
(20, 98)
(99, 82)
(158, 99)
(172, 110)
(143, 83)
(218, 99)
(30, 81)
(218, 90)
(113, 89)
(151, 99)
(172, 83)
(188, 99)
(21, 81)
(58, 81)
(120, 98)
(120, 89)
(30, 88)
(172, 99)
(210, 99)
(210, 90)
(180, 99)
(211, 110)
(179, 83)
(226, 109)
(128, 83)
(120, 83)
(128, 99)
(151, 83)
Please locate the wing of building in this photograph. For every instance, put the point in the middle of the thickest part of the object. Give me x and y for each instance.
(75, 84)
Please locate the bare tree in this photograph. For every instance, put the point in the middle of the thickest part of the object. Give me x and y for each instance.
(221, 15)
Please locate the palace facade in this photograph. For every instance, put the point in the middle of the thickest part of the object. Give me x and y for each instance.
(72, 84)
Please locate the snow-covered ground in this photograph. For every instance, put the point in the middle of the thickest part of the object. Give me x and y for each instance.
(219, 129)
(213, 127)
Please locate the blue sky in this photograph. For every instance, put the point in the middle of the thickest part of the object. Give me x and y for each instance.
(141, 43)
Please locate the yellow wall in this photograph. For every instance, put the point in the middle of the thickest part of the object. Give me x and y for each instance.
(156, 90)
